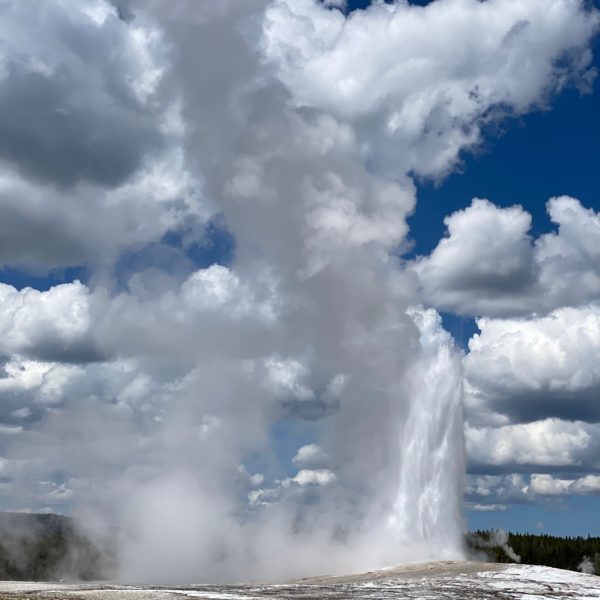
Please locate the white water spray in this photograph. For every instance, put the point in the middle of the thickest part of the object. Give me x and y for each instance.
(428, 506)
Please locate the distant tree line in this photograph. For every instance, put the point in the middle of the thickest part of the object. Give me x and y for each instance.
(572, 553)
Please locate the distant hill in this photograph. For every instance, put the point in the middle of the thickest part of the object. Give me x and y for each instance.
(38, 547)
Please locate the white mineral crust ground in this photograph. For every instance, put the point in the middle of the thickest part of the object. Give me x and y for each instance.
(434, 580)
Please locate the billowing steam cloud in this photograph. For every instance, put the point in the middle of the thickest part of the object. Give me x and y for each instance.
(291, 410)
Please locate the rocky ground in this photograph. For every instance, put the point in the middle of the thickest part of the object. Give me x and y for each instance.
(425, 581)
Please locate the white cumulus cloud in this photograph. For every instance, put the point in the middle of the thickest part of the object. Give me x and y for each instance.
(489, 265)
(537, 367)
(418, 84)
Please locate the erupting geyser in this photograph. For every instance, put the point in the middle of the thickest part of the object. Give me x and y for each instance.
(317, 350)
(428, 507)
(250, 386)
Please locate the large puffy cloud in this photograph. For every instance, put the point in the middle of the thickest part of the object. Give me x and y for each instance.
(489, 265)
(546, 485)
(212, 308)
(569, 258)
(213, 312)
(44, 228)
(486, 255)
(50, 326)
(499, 492)
(549, 443)
(77, 98)
(429, 79)
(91, 136)
(539, 367)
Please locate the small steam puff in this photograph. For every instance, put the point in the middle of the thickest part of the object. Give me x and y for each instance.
(589, 566)
(498, 538)
(586, 566)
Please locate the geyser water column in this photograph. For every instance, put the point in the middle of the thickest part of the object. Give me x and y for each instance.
(428, 506)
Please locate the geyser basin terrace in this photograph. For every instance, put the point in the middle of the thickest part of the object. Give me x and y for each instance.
(426, 581)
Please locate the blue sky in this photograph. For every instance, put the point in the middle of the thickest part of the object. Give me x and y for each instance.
(157, 360)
